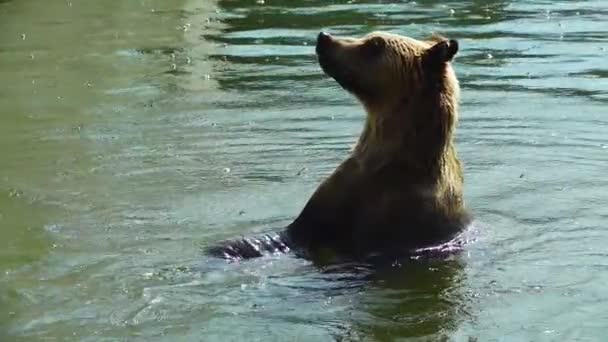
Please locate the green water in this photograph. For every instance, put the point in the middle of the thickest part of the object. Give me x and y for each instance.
(135, 133)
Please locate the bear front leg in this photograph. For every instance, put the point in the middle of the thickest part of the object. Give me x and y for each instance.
(326, 220)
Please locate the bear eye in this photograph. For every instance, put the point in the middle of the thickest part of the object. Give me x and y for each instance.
(374, 46)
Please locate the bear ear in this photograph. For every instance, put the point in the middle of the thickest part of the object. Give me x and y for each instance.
(441, 52)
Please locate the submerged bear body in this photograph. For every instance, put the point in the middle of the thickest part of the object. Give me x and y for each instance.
(401, 188)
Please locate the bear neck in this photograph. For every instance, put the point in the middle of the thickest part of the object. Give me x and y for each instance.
(414, 136)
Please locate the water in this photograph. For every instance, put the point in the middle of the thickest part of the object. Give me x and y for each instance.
(135, 133)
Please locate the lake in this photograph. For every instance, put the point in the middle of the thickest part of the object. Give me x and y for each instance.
(133, 134)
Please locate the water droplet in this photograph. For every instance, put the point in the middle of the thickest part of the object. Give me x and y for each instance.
(52, 228)
(489, 56)
(173, 67)
(452, 12)
(260, 2)
(23, 36)
(156, 300)
(207, 77)
(226, 170)
(14, 193)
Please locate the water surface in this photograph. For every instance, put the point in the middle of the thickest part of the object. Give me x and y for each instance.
(135, 133)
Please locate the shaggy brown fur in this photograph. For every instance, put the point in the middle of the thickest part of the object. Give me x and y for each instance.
(401, 188)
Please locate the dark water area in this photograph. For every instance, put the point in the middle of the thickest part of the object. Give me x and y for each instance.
(134, 134)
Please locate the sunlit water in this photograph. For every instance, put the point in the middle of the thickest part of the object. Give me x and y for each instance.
(133, 134)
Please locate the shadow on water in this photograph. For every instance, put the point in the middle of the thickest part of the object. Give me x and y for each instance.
(282, 34)
(414, 300)
(418, 299)
(275, 36)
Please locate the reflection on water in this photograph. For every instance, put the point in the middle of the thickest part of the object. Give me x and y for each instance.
(133, 134)
(420, 299)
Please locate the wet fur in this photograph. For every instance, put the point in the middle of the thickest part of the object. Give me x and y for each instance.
(247, 248)
(401, 188)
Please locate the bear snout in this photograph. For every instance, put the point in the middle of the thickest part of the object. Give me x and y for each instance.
(324, 39)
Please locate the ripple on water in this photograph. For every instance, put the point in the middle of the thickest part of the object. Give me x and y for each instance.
(171, 97)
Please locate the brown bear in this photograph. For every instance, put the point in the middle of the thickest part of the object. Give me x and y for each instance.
(402, 187)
